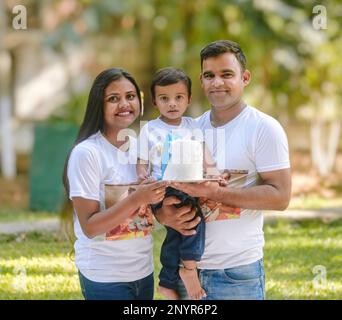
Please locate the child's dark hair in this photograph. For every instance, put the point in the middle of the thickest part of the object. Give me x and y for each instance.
(219, 47)
(166, 76)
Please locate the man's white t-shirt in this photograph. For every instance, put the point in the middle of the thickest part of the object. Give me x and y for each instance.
(92, 164)
(251, 141)
(154, 134)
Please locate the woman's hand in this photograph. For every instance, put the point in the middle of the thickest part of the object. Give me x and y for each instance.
(150, 192)
(180, 219)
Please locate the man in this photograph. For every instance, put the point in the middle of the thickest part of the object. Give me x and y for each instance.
(244, 139)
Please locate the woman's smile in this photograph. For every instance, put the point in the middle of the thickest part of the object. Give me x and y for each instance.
(124, 113)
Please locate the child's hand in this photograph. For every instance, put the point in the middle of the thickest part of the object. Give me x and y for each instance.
(142, 170)
(224, 178)
(150, 192)
(142, 177)
(147, 180)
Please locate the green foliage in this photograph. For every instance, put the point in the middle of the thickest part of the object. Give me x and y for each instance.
(294, 66)
(71, 112)
(289, 59)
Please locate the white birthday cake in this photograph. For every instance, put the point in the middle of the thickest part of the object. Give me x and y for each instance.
(186, 161)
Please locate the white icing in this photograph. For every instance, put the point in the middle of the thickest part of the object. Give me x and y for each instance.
(186, 162)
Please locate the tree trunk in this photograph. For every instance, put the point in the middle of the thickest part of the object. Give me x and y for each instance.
(324, 146)
(8, 158)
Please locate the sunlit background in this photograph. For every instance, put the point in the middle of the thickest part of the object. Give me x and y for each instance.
(50, 52)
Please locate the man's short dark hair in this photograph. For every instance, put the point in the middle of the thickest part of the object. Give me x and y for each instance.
(219, 47)
(166, 76)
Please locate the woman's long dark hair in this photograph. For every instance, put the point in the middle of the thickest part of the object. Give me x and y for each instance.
(93, 119)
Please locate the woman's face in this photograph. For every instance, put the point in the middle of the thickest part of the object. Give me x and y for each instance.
(121, 104)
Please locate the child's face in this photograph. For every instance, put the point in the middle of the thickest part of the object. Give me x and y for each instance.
(172, 101)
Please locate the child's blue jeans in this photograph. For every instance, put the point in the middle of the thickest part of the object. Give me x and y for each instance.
(177, 247)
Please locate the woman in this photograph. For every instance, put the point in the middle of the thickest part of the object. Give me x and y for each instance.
(113, 262)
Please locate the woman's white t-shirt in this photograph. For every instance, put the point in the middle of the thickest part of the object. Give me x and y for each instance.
(94, 163)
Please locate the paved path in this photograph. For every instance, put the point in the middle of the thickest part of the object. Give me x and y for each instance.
(22, 226)
(54, 224)
(324, 214)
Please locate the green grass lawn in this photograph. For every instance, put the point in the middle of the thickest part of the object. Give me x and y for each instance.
(19, 215)
(314, 202)
(39, 266)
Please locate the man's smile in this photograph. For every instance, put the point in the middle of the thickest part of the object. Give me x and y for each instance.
(221, 91)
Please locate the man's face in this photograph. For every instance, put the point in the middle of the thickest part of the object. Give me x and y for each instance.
(223, 81)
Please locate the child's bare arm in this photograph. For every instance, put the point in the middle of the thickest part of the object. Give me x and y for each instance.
(209, 164)
(210, 168)
(142, 169)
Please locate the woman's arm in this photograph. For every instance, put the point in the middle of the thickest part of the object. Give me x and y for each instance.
(94, 222)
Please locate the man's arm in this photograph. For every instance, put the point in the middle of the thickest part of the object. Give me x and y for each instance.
(273, 194)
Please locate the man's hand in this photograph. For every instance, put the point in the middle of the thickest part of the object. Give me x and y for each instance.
(203, 189)
(180, 219)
